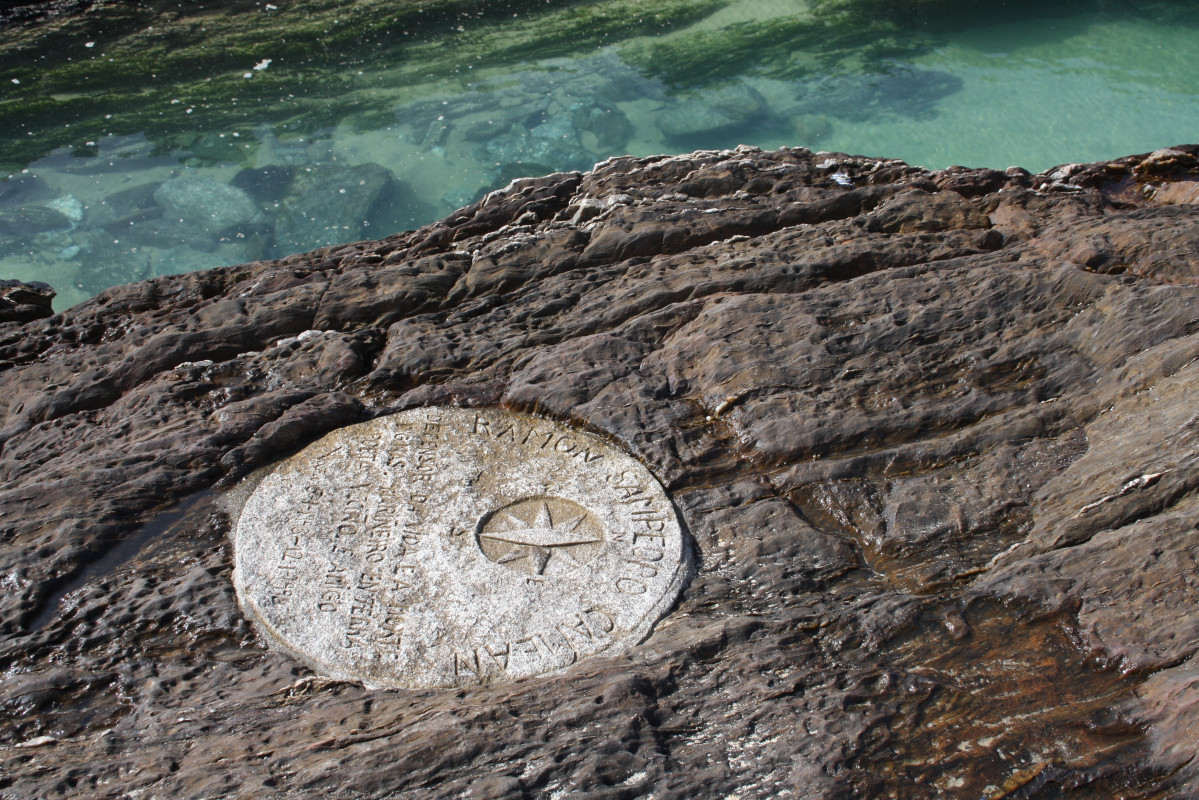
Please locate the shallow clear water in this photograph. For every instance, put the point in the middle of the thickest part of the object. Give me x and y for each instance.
(280, 153)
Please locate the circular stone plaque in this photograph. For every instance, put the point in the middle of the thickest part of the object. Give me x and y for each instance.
(444, 547)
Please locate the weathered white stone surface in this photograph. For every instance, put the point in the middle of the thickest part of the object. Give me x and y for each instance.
(443, 547)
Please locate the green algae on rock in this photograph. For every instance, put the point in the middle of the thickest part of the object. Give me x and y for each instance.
(120, 69)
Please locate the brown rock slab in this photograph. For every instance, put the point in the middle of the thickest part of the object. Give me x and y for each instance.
(932, 436)
(23, 302)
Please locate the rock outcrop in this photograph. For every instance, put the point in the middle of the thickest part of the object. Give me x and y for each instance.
(933, 435)
(23, 302)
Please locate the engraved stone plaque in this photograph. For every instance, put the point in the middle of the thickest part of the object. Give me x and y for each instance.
(445, 547)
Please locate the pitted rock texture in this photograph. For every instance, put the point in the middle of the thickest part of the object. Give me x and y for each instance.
(22, 302)
(933, 435)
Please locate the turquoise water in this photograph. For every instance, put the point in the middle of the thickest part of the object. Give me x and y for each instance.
(272, 152)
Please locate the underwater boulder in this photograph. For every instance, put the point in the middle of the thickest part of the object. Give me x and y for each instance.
(329, 204)
(551, 144)
(899, 90)
(26, 220)
(161, 233)
(128, 205)
(811, 129)
(711, 112)
(23, 188)
(207, 204)
(607, 123)
(265, 184)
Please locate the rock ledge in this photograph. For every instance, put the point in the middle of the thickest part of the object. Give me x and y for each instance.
(933, 435)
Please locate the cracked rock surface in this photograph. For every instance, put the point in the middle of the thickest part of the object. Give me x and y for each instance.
(933, 434)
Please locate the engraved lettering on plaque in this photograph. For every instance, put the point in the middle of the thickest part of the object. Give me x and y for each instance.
(443, 547)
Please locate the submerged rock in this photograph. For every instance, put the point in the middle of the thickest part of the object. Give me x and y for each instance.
(932, 436)
(23, 188)
(811, 129)
(711, 112)
(552, 142)
(328, 204)
(161, 233)
(69, 206)
(265, 184)
(899, 90)
(24, 221)
(213, 207)
(134, 204)
(607, 123)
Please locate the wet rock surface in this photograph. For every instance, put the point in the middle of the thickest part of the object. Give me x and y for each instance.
(932, 434)
(22, 302)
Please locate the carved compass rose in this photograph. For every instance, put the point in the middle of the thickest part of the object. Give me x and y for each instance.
(541, 535)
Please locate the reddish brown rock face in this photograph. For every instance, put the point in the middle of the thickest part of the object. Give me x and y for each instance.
(933, 436)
